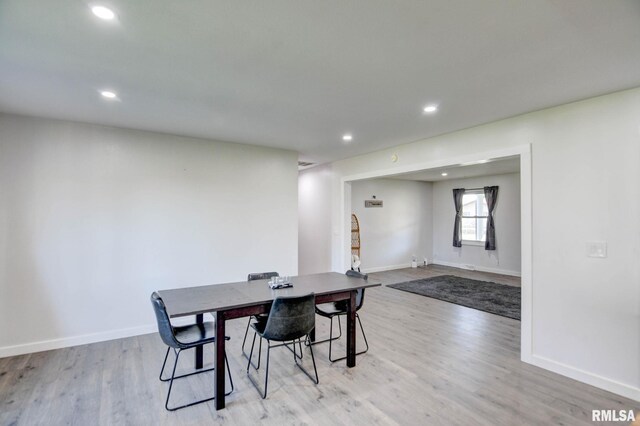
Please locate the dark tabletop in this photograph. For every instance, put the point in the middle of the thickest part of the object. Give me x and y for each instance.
(218, 297)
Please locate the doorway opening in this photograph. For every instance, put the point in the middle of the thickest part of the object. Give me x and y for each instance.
(510, 167)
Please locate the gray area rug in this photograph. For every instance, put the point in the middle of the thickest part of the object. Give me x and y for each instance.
(485, 296)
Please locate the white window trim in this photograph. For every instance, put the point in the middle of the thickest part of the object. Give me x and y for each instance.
(473, 243)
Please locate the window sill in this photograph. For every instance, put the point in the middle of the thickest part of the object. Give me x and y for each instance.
(473, 243)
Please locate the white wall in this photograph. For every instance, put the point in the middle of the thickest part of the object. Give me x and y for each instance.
(506, 258)
(391, 235)
(586, 311)
(93, 219)
(314, 216)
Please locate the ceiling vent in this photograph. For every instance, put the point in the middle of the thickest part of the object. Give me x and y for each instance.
(302, 164)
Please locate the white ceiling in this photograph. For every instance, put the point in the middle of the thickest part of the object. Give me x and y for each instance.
(298, 74)
(462, 171)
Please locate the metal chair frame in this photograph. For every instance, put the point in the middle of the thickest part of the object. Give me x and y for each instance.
(286, 344)
(173, 377)
(331, 338)
(332, 315)
(296, 357)
(169, 337)
(253, 277)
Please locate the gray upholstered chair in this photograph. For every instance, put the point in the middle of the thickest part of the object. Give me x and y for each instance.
(260, 317)
(179, 339)
(338, 309)
(290, 319)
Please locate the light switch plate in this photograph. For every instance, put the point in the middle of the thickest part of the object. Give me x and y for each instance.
(597, 249)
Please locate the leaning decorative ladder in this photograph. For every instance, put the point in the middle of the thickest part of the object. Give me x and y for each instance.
(355, 238)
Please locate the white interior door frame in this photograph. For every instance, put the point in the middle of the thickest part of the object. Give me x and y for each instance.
(524, 152)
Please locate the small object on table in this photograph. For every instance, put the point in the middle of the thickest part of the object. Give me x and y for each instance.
(280, 282)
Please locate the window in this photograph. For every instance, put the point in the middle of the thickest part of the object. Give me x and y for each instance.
(474, 216)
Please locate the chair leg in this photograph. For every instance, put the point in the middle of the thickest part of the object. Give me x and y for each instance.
(256, 366)
(266, 375)
(357, 353)
(173, 377)
(183, 375)
(364, 336)
(163, 364)
(331, 334)
(286, 345)
(246, 332)
(226, 360)
(315, 342)
(295, 358)
(250, 356)
(295, 353)
(313, 359)
(175, 364)
(263, 394)
(250, 363)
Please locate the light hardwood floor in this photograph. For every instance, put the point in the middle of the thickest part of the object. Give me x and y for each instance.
(430, 362)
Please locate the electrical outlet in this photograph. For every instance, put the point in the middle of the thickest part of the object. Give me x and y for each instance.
(597, 249)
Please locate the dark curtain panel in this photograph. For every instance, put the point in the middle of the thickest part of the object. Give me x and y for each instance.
(457, 202)
(491, 195)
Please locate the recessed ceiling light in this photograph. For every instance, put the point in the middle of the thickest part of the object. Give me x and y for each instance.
(347, 137)
(103, 13)
(430, 109)
(444, 174)
(108, 94)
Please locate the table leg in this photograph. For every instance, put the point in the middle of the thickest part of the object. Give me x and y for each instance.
(312, 335)
(351, 331)
(199, 351)
(219, 361)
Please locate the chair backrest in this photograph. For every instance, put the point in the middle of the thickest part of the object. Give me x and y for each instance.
(262, 276)
(360, 291)
(291, 318)
(164, 325)
(356, 274)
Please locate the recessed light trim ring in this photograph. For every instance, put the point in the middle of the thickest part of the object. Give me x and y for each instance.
(103, 12)
(430, 109)
(108, 94)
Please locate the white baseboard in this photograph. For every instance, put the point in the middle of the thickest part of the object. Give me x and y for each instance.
(386, 268)
(443, 263)
(84, 339)
(610, 385)
(476, 268)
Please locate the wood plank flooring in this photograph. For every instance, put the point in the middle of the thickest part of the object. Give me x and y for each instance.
(430, 362)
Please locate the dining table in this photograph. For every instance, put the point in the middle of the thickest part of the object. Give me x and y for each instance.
(245, 298)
